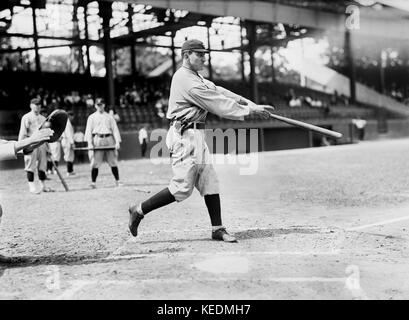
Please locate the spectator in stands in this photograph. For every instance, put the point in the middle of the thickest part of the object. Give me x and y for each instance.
(114, 115)
(360, 127)
(334, 98)
(161, 107)
(345, 100)
(293, 100)
(314, 103)
(89, 102)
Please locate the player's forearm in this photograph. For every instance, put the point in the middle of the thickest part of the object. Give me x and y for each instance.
(219, 104)
(228, 93)
(21, 144)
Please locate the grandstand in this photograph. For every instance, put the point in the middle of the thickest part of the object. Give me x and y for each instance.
(145, 38)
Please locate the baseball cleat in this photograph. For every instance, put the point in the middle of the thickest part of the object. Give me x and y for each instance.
(222, 235)
(93, 185)
(134, 219)
(47, 189)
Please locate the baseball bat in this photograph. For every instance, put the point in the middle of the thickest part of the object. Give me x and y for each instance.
(60, 176)
(94, 149)
(304, 125)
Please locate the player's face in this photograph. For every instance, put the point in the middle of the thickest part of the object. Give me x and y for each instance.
(197, 60)
(100, 106)
(36, 108)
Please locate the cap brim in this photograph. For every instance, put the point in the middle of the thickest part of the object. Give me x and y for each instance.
(200, 50)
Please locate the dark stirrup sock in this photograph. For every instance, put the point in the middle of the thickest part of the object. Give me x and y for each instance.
(70, 167)
(162, 198)
(115, 172)
(213, 206)
(41, 175)
(94, 174)
(30, 176)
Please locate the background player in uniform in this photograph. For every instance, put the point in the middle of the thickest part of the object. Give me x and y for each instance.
(142, 137)
(8, 151)
(37, 160)
(102, 131)
(67, 144)
(191, 98)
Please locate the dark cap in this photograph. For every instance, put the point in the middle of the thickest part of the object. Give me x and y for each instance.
(194, 45)
(35, 101)
(99, 101)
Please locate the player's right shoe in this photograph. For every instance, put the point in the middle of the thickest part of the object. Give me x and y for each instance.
(33, 188)
(135, 218)
(93, 185)
(222, 235)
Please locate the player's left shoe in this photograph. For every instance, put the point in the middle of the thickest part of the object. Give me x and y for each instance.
(135, 219)
(222, 235)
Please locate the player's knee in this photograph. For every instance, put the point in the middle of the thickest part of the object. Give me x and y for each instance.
(182, 192)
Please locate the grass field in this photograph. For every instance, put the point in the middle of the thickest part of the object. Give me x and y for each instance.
(321, 223)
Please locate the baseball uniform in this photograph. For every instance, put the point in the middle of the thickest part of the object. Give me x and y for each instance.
(38, 158)
(102, 131)
(67, 142)
(191, 98)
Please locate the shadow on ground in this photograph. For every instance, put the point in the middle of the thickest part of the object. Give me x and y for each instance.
(268, 233)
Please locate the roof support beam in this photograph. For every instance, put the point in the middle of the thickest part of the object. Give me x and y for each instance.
(371, 23)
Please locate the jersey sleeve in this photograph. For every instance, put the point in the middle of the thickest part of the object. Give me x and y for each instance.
(215, 102)
(88, 131)
(115, 130)
(7, 150)
(23, 129)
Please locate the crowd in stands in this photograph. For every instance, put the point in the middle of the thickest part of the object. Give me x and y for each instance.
(400, 94)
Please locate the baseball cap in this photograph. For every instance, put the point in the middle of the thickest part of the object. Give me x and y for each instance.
(99, 101)
(35, 101)
(194, 45)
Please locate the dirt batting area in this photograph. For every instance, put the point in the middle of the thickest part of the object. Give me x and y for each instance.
(319, 223)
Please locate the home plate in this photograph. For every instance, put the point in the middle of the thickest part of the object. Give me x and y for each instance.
(223, 265)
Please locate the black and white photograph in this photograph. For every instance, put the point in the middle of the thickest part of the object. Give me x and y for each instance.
(216, 152)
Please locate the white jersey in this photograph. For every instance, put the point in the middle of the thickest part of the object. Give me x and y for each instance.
(30, 123)
(142, 135)
(101, 123)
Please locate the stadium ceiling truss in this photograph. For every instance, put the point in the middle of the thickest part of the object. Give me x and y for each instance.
(145, 24)
(160, 23)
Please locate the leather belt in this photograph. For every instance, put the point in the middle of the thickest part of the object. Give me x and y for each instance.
(183, 126)
(195, 125)
(102, 135)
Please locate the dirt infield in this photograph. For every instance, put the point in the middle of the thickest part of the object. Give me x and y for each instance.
(322, 223)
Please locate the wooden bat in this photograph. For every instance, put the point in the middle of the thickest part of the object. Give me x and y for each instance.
(60, 176)
(304, 125)
(94, 149)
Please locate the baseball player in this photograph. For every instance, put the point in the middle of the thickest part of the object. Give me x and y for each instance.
(191, 98)
(143, 136)
(67, 144)
(8, 151)
(36, 160)
(102, 131)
